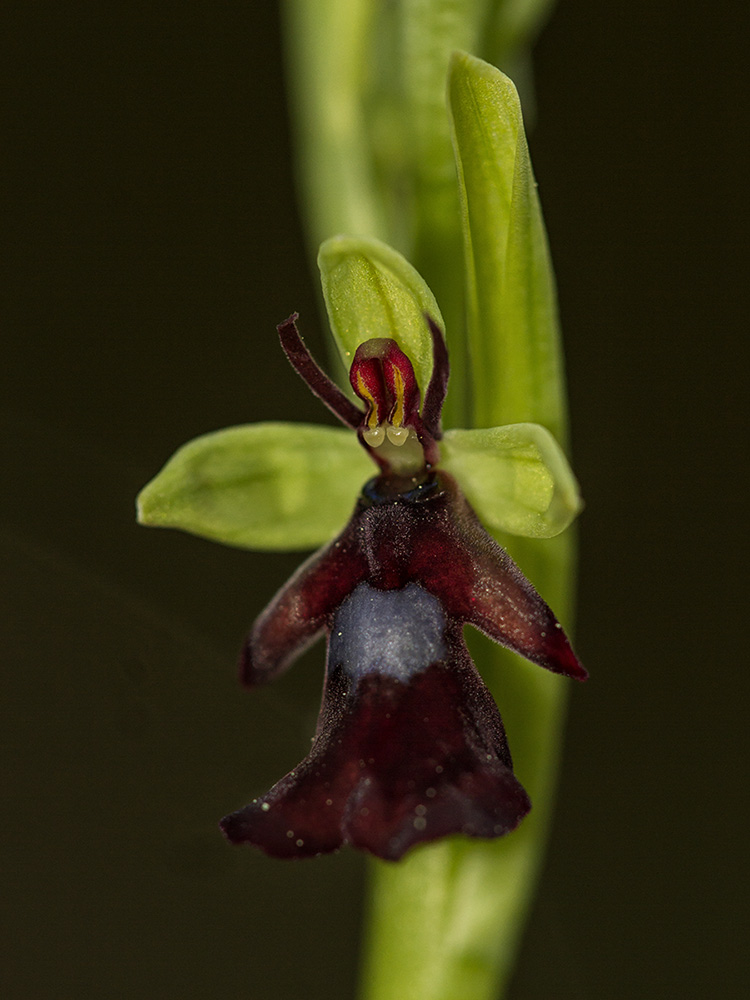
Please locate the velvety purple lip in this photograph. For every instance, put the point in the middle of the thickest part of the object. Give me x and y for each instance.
(409, 744)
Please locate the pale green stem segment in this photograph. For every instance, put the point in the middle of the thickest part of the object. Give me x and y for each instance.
(329, 56)
(511, 27)
(430, 31)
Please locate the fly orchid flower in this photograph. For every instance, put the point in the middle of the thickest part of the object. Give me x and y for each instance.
(409, 744)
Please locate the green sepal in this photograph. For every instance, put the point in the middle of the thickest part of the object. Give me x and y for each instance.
(265, 486)
(516, 477)
(370, 290)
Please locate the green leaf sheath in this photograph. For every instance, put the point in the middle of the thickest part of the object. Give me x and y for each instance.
(512, 307)
(516, 478)
(370, 291)
(266, 486)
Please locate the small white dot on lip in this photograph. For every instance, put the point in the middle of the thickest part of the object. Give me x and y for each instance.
(265, 807)
(300, 842)
(290, 833)
(420, 823)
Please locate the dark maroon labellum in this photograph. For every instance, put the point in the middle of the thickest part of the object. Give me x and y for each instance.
(409, 745)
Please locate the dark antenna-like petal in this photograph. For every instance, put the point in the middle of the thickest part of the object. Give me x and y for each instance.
(434, 397)
(310, 371)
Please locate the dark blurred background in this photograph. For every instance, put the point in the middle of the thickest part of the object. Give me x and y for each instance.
(150, 244)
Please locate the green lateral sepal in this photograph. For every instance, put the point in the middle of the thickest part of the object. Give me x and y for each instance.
(516, 477)
(267, 486)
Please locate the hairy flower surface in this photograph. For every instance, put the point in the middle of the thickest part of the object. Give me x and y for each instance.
(409, 744)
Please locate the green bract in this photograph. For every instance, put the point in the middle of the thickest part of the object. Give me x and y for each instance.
(515, 373)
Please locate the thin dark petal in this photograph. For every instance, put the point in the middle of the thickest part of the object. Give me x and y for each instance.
(300, 610)
(436, 391)
(476, 580)
(308, 369)
(395, 763)
(507, 608)
(438, 541)
(511, 612)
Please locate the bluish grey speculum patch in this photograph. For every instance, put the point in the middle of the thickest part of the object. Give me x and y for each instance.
(393, 632)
